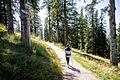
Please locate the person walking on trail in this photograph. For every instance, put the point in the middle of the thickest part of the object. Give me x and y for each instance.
(68, 54)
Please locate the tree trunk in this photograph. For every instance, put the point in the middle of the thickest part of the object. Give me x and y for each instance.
(113, 46)
(49, 34)
(58, 33)
(65, 24)
(25, 27)
(10, 17)
(3, 12)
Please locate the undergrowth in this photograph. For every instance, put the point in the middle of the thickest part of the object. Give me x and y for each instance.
(18, 63)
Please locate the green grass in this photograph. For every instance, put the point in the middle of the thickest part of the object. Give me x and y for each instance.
(18, 63)
(99, 66)
(101, 69)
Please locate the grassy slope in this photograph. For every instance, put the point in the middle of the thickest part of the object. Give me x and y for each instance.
(98, 65)
(18, 63)
(101, 69)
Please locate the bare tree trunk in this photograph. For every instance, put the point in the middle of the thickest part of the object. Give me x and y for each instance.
(65, 24)
(25, 27)
(10, 16)
(49, 34)
(3, 12)
(58, 33)
(113, 46)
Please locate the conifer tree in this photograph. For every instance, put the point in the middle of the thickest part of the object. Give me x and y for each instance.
(102, 48)
(118, 40)
(113, 45)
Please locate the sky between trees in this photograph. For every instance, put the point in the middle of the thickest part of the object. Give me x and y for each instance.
(81, 3)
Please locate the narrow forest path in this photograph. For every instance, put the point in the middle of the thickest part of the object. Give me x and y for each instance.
(75, 71)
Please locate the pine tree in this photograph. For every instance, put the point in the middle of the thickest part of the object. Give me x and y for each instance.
(86, 32)
(102, 49)
(73, 23)
(9, 4)
(25, 28)
(82, 29)
(118, 40)
(55, 19)
(113, 45)
(65, 22)
(6, 15)
(90, 47)
(25, 7)
(3, 14)
(35, 24)
(48, 4)
(46, 30)
(59, 10)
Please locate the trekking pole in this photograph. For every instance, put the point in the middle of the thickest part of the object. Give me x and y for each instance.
(71, 61)
(71, 57)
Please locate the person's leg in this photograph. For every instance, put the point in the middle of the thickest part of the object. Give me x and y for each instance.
(67, 59)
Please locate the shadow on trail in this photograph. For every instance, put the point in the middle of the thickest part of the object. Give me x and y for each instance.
(74, 69)
(69, 76)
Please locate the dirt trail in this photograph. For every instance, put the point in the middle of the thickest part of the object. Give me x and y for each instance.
(75, 70)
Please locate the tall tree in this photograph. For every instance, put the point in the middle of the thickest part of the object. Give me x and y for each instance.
(102, 48)
(3, 14)
(46, 29)
(25, 27)
(25, 20)
(82, 30)
(90, 47)
(118, 38)
(10, 16)
(65, 23)
(55, 17)
(97, 33)
(79, 31)
(118, 41)
(6, 15)
(113, 46)
(48, 4)
(35, 23)
(69, 19)
(50, 27)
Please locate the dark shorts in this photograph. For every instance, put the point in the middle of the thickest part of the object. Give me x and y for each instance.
(67, 58)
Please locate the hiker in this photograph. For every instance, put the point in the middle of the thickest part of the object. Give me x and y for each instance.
(68, 53)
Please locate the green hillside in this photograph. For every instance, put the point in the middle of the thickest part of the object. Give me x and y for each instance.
(19, 63)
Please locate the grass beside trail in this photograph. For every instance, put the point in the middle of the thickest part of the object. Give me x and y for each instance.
(98, 65)
(18, 63)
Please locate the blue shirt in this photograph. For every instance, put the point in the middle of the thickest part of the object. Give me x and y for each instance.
(68, 52)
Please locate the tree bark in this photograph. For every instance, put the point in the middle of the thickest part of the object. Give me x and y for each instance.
(10, 17)
(58, 33)
(25, 27)
(65, 24)
(3, 12)
(49, 34)
(113, 45)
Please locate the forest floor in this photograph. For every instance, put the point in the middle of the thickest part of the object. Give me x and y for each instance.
(20, 63)
(75, 71)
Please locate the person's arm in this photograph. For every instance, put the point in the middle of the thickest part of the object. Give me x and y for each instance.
(70, 51)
